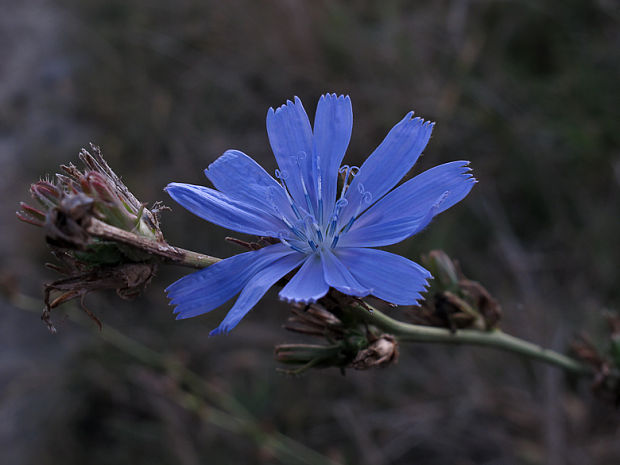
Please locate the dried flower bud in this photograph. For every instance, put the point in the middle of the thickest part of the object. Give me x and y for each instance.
(455, 302)
(69, 204)
(73, 210)
(314, 320)
(350, 343)
(380, 353)
(603, 358)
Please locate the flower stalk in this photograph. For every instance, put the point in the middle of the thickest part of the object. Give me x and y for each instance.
(161, 250)
(496, 338)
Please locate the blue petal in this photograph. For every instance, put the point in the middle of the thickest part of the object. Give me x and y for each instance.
(218, 208)
(256, 288)
(387, 165)
(290, 136)
(241, 178)
(416, 196)
(338, 277)
(308, 284)
(410, 207)
(390, 232)
(207, 289)
(332, 132)
(393, 278)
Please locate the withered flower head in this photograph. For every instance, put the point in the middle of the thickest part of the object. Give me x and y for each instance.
(350, 344)
(454, 301)
(80, 211)
(602, 355)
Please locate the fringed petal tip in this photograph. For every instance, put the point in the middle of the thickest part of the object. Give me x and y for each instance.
(178, 289)
(425, 286)
(334, 96)
(222, 329)
(419, 296)
(288, 295)
(418, 301)
(301, 300)
(418, 120)
(427, 277)
(465, 169)
(296, 102)
(181, 313)
(467, 172)
(216, 331)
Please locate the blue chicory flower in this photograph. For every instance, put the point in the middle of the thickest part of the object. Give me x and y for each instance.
(324, 232)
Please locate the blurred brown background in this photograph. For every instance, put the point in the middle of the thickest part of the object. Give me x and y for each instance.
(528, 91)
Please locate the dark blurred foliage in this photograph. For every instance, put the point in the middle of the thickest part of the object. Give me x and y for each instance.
(528, 91)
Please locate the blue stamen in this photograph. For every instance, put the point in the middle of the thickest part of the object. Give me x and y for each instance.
(288, 244)
(295, 248)
(294, 207)
(319, 233)
(297, 232)
(308, 201)
(340, 204)
(349, 171)
(282, 175)
(346, 169)
(300, 157)
(349, 224)
(319, 187)
(366, 198)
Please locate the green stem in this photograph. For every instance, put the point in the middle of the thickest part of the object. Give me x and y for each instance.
(495, 338)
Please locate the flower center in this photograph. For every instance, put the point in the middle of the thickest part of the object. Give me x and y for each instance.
(311, 231)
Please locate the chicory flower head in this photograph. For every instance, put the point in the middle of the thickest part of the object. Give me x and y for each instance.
(323, 229)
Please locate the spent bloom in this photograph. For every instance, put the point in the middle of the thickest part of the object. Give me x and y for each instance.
(77, 209)
(325, 230)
